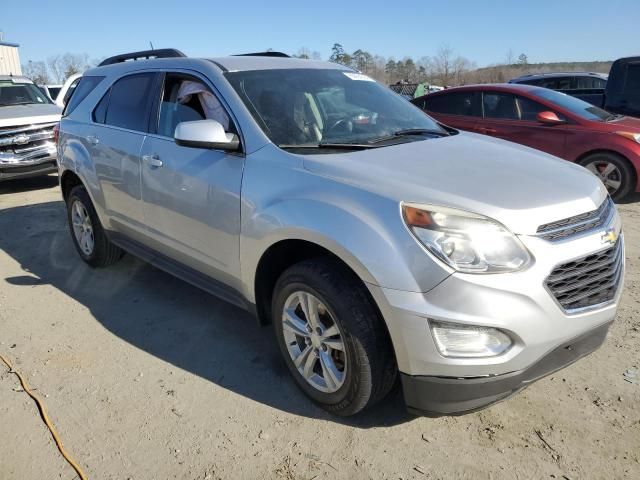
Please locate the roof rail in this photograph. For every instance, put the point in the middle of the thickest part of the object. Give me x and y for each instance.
(263, 54)
(144, 54)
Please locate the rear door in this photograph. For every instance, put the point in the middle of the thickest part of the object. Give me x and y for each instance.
(192, 195)
(121, 120)
(457, 109)
(513, 117)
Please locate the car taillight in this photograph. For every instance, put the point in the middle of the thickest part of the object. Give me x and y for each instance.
(56, 133)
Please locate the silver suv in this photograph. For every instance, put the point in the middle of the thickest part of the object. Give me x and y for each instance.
(379, 243)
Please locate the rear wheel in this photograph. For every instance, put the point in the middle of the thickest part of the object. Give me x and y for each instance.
(87, 233)
(615, 172)
(332, 337)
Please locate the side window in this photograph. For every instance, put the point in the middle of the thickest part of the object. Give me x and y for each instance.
(589, 82)
(632, 80)
(83, 88)
(500, 106)
(100, 112)
(458, 103)
(528, 109)
(69, 92)
(129, 102)
(566, 83)
(186, 99)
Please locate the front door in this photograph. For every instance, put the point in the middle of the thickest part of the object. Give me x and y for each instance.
(191, 196)
(513, 118)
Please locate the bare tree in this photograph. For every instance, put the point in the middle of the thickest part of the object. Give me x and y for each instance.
(443, 64)
(62, 67)
(36, 71)
(509, 58)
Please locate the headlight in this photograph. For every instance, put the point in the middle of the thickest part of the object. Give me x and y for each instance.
(467, 341)
(465, 241)
(634, 137)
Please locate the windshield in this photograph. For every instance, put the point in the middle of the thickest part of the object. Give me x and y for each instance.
(302, 107)
(574, 105)
(13, 93)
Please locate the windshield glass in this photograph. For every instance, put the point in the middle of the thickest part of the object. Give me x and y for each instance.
(298, 107)
(574, 105)
(20, 93)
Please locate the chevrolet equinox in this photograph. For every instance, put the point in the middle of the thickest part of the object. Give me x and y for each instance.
(379, 243)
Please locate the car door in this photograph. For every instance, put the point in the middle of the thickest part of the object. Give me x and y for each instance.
(513, 118)
(120, 123)
(457, 109)
(191, 196)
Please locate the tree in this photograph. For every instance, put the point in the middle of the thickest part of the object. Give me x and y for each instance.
(442, 64)
(390, 69)
(36, 71)
(62, 67)
(509, 58)
(522, 59)
(338, 55)
(303, 53)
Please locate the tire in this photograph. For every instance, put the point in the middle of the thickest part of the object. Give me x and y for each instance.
(101, 252)
(614, 171)
(366, 364)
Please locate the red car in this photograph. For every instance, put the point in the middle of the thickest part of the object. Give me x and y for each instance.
(556, 123)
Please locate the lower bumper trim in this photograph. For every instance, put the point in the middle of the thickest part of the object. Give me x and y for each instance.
(25, 171)
(437, 396)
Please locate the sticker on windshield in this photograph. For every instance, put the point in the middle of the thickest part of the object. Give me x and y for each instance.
(358, 76)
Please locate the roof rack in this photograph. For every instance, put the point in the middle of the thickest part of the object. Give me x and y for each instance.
(144, 54)
(263, 54)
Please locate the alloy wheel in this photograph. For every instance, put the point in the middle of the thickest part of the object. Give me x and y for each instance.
(314, 341)
(608, 174)
(82, 227)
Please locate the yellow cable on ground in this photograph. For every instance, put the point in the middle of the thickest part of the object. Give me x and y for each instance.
(45, 417)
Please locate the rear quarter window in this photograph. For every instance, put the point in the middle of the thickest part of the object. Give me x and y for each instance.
(458, 103)
(80, 92)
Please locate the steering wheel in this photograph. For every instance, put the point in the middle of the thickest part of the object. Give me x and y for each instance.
(343, 122)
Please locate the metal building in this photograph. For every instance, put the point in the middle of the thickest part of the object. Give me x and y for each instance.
(9, 59)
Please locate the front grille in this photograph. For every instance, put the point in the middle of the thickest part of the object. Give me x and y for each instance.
(588, 281)
(29, 143)
(584, 222)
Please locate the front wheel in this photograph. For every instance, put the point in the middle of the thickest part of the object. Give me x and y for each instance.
(614, 172)
(332, 337)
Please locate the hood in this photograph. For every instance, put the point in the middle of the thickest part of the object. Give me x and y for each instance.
(18, 115)
(624, 123)
(520, 187)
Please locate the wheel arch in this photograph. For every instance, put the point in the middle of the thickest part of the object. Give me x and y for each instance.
(621, 156)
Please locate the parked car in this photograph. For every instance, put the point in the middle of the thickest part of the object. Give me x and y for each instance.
(587, 86)
(373, 247)
(606, 144)
(27, 119)
(59, 94)
(618, 92)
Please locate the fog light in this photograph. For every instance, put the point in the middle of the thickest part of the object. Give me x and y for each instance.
(467, 341)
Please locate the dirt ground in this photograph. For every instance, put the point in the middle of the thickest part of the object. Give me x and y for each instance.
(146, 377)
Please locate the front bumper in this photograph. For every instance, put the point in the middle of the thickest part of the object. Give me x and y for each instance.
(435, 396)
(43, 164)
(516, 303)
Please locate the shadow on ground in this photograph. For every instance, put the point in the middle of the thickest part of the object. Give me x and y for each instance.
(166, 317)
(28, 184)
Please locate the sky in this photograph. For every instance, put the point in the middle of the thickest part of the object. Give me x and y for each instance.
(482, 31)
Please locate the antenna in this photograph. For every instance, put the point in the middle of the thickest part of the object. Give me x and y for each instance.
(151, 43)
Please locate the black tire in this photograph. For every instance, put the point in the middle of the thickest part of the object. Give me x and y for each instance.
(104, 253)
(372, 369)
(626, 172)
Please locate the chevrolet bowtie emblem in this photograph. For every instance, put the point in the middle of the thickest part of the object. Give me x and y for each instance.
(21, 139)
(609, 236)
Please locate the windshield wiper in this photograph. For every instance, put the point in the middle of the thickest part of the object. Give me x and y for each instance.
(409, 132)
(332, 146)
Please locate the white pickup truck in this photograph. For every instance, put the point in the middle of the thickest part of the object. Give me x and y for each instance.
(27, 119)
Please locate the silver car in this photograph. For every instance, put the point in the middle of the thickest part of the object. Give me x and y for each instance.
(379, 243)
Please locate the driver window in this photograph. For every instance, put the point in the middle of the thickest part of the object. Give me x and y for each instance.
(186, 99)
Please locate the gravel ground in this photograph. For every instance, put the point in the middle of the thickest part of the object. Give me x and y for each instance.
(146, 377)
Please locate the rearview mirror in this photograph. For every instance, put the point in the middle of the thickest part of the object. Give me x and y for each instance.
(205, 134)
(549, 118)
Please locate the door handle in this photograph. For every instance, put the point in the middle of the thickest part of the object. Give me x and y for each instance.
(152, 160)
(487, 130)
(93, 140)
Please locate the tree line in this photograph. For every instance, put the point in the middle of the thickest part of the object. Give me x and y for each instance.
(445, 68)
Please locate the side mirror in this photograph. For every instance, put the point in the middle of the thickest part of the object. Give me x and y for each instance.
(549, 118)
(205, 134)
